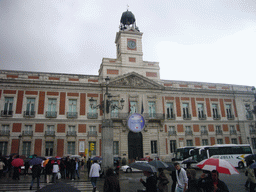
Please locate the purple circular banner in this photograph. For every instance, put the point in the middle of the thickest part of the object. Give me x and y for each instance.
(136, 122)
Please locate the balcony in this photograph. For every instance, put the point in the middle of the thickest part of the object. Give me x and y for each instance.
(50, 133)
(154, 116)
(253, 131)
(27, 133)
(188, 132)
(51, 114)
(71, 133)
(202, 117)
(187, 116)
(172, 133)
(233, 132)
(216, 116)
(116, 116)
(204, 132)
(92, 134)
(29, 113)
(171, 116)
(92, 115)
(249, 116)
(219, 132)
(6, 113)
(4, 132)
(230, 117)
(72, 115)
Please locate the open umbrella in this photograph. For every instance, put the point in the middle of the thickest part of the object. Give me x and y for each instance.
(188, 161)
(45, 162)
(158, 164)
(41, 158)
(97, 158)
(17, 162)
(222, 166)
(251, 157)
(170, 167)
(143, 167)
(35, 161)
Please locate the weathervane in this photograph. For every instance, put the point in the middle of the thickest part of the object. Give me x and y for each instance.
(127, 7)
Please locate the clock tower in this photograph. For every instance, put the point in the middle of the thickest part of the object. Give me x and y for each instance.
(129, 53)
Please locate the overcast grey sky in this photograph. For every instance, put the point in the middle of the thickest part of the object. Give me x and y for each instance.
(193, 40)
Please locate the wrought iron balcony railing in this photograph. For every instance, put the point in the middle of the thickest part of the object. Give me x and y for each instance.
(92, 115)
(202, 117)
(172, 133)
(49, 133)
(154, 116)
(188, 132)
(233, 132)
(119, 115)
(219, 132)
(230, 117)
(4, 132)
(92, 134)
(204, 132)
(29, 113)
(171, 116)
(249, 116)
(71, 133)
(6, 113)
(71, 114)
(186, 116)
(27, 133)
(252, 131)
(51, 114)
(216, 116)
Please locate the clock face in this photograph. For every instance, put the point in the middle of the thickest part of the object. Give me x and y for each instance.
(131, 44)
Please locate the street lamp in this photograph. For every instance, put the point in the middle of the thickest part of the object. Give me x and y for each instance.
(107, 126)
(20, 136)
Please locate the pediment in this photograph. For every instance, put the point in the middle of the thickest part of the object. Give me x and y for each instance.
(135, 80)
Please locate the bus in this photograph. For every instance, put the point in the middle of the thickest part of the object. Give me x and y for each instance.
(182, 154)
(233, 153)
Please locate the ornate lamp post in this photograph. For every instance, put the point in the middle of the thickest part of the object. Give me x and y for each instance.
(107, 126)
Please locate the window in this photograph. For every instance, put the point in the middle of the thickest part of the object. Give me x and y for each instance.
(8, 105)
(218, 130)
(170, 110)
(50, 130)
(189, 142)
(72, 148)
(48, 148)
(30, 108)
(71, 130)
(5, 130)
(92, 130)
(3, 148)
(254, 143)
(52, 105)
(234, 141)
(28, 130)
(204, 130)
(172, 130)
(205, 141)
(94, 151)
(153, 147)
(116, 148)
(200, 108)
(26, 148)
(188, 130)
(249, 115)
(215, 111)
(93, 110)
(133, 107)
(219, 141)
(232, 130)
(228, 111)
(173, 146)
(185, 108)
(151, 109)
(72, 105)
(114, 111)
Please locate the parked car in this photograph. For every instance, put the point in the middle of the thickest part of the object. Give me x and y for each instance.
(128, 169)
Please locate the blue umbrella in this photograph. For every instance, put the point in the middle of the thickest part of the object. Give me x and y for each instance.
(253, 166)
(96, 158)
(159, 164)
(144, 167)
(35, 161)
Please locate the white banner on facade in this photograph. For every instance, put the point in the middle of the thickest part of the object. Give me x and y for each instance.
(81, 146)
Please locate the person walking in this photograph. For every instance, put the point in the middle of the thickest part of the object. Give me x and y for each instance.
(36, 171)
(182, 179)
(205, 181)
(219, 185)
(72, 169)
(163, 181)
(55, 170)
(111, 183)
(48, 171)
(77, 167)
(251, 176)
(26, 164)
(89, 164)
(94, 174)
(150, 183)
(192, 181)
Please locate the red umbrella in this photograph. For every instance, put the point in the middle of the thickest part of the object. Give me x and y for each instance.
(17, 162)
(222, 166)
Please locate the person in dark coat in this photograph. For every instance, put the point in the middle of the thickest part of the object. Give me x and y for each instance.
(218, 185)
(150, 183)
(163, 181)
(72, 169)
(174, 180)
(9, 164)
(68, 167)
(89, 164)
(26, 164)
(111, 183)
(48, 171)
(192, 181)
(16, 172)
(36, 172)
(62, 168)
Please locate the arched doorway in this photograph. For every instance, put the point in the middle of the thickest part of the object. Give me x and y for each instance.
(135, 149)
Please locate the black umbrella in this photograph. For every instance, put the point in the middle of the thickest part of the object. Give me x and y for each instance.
(251, 157)
(158, 164)
(143, 167)
(189, 161)
(170, 167)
